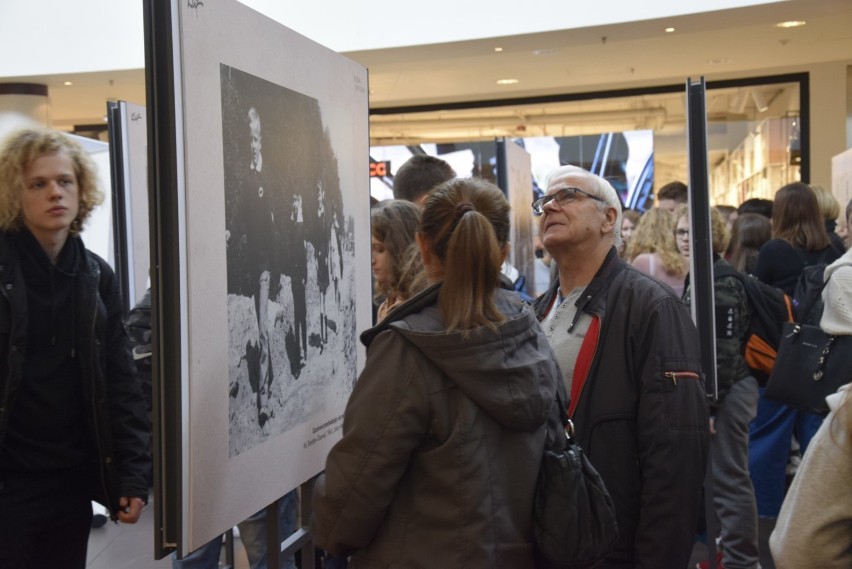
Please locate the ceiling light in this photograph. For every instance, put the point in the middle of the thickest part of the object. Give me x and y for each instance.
(68, 83)
(790, 24)
(718, 61)
(507, 81)
(498, 49)
(545, 52)
(669, 30)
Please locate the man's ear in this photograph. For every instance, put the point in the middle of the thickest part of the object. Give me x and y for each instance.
(610, 217)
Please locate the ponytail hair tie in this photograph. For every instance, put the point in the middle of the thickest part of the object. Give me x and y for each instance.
(462, 208)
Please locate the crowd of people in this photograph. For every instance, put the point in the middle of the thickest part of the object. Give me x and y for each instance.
(757, 443)
(446, 427)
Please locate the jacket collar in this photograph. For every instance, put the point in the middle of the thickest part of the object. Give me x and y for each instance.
(592, 298)
(413, 305)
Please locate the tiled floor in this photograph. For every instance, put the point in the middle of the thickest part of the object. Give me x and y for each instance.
(765, 527)
(121, 546)
(124, 546)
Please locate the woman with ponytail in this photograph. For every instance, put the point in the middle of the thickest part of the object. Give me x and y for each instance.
(445, 428)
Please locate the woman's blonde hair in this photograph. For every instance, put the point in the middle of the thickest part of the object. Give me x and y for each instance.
(720, 235)
(466, 227)
(828, 205)
(18, 151)
(655, 234)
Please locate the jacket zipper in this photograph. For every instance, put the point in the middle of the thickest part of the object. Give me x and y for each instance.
(7, 383)
(102, 468)
(674, 375)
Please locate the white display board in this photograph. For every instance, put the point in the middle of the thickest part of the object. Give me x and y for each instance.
(841, 179)
(97, 233)
(134, 149)
(279, 210)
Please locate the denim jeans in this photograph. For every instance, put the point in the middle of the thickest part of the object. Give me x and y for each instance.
(253, 537)
(770, 437)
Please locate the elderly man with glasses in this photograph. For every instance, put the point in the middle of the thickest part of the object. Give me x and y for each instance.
(629, 355)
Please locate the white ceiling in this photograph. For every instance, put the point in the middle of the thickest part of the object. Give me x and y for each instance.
(727, 44)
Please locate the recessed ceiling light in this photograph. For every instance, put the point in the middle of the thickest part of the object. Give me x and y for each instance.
(790, 24)
(68, 83)
(507, 81)
(498, 49)
(669, 30)
(718, 61)
(545, 52)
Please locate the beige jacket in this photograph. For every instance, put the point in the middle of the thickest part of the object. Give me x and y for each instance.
(837, 297)
(814, 528)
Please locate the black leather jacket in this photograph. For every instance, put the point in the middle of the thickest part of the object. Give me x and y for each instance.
(642, 415)
(112, 394)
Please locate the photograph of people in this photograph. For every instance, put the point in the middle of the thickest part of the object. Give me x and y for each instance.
(289, 253)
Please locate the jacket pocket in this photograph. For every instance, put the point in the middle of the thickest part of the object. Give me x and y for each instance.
(682, 388)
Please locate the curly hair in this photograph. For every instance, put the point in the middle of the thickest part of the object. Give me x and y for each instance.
(720, 236)
(655, 234)
(18, 151)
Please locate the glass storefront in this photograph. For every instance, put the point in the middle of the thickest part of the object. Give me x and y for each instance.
(636, 138)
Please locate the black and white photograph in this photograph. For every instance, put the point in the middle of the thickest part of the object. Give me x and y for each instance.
(264, 277)
(289, 246)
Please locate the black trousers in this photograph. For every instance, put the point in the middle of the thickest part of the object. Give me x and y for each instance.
(44, 522)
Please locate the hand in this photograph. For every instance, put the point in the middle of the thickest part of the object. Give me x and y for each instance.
(130, 509)
(712, 425)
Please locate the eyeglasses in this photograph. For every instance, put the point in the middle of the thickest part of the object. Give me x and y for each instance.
(681, 233)
(562, 196)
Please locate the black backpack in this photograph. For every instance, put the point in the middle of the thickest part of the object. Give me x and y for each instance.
(769, 309)
(138, 325)
(807, 297)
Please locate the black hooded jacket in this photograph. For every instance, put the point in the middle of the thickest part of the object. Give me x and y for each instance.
(111, 399)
